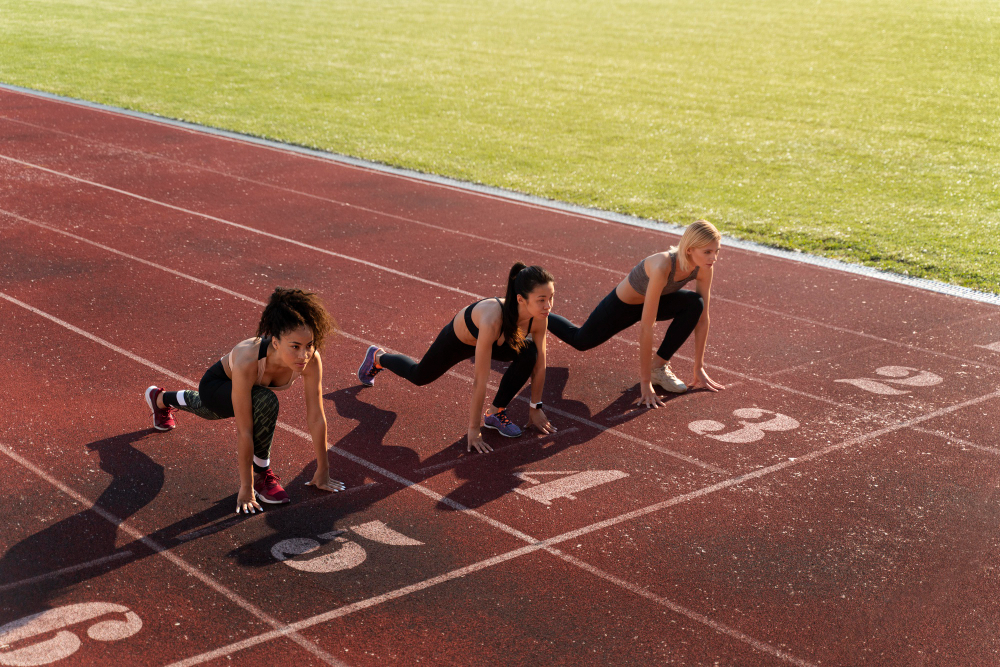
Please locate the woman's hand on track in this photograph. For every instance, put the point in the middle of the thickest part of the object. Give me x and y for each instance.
(701, 379)
(538, 421)
(321, 480)
(246, 502)
(475, 439)
(649, 398)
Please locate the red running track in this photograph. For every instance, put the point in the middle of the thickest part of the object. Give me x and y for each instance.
(837, 505)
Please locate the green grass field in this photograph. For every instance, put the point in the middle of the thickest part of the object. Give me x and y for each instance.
(862, 130)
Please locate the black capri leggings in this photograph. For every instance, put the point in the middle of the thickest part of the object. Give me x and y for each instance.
(613, 315)
(214, 400)
(447, 350)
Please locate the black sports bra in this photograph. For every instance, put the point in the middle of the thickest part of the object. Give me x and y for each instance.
(474, 330)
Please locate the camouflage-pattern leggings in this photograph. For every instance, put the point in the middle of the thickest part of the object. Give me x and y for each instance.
(265, 416)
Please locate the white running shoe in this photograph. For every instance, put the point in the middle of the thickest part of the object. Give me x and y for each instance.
(665, 377)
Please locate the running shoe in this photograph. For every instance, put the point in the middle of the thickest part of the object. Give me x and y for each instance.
(665, 377)
(163, 418)
(368, 370)
(498, 422)
(265, 485)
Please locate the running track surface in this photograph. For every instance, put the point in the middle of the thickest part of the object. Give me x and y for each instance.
(837, 505)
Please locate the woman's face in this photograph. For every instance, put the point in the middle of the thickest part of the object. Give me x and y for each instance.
(704, 256)
(295, 348)
(538, 303)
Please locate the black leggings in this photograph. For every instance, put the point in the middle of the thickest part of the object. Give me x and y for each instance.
(214, 400)
(612, 315)
(448, 350)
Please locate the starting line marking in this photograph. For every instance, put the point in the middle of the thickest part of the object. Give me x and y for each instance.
(992, 347)
(438, 467)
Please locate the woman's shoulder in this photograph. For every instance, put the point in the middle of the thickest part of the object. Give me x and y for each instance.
(659, 263)
(245, 352)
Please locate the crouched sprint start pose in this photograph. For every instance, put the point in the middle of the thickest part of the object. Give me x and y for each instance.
(651, 293)
(488, 329)
(242, 385)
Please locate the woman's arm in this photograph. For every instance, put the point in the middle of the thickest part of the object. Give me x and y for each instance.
(704, 288)
(537, 417)
(243, 378)
(312, 381)
(489, 331)
(657, 271)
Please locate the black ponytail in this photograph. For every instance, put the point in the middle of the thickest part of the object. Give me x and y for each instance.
(522, 280)
(289, 309)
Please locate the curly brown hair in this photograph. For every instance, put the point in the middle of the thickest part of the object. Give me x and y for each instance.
(289, 309)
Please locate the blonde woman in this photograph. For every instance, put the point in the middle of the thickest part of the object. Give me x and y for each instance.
(651, 293)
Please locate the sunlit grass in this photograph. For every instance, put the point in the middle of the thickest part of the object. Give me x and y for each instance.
(865, 131)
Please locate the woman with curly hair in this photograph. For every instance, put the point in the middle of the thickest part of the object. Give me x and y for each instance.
(242, 385)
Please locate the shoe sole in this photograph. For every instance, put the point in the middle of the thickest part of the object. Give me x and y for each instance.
(262, 499)
(149, 402)
(673, 390)
(502, 433)
(363, 361)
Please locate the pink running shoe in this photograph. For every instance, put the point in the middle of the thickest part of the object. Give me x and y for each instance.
(265, 485)
(163, 418)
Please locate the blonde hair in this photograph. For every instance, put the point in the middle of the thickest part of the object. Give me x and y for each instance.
(698, 234)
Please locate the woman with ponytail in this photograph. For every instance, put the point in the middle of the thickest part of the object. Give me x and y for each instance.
(242, 385)
(487, 329)
(651, 293)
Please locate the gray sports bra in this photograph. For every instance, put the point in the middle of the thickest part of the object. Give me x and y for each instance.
(639, 281)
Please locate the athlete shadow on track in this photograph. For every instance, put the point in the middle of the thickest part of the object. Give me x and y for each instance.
(83, 537)
(321, 511)
(490, 477)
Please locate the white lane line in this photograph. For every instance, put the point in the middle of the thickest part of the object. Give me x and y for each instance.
(229, 522)
(245, 228)
(439, 467)
(290, 630)
(356, 606)
(582, 420)
(218, 587)
(579, 532)
(721, 628)
(325, 158)
(67, 570)
(337, 202)
(960, 441)
(723, 299)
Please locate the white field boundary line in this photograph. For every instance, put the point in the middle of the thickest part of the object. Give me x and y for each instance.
(524, 249)
(218, 587)
(554, 410)
(291, 630)
(511, 196)
(965, 443)
(600, 525)
(447, 465)
(55, 574)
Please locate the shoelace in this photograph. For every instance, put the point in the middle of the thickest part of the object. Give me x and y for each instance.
(499, 414)
(270, 479)
(373, 371)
